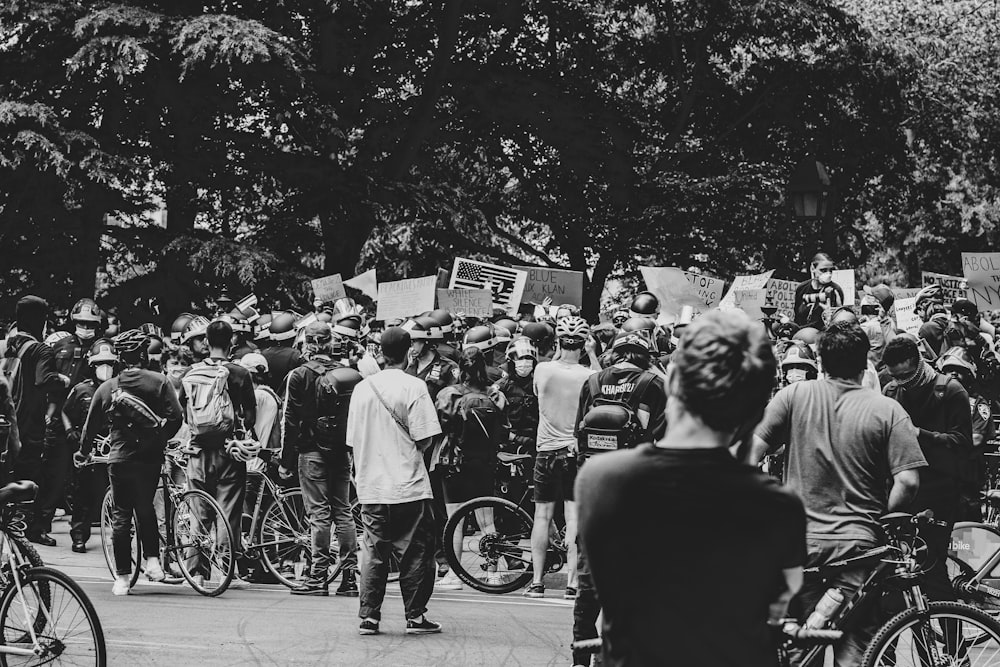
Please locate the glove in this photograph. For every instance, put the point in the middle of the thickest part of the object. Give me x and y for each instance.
(80, 459)
(284, 473)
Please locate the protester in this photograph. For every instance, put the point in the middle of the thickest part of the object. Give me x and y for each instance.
(818, 294)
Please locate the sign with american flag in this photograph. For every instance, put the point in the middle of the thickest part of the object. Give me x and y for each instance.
(506, 284)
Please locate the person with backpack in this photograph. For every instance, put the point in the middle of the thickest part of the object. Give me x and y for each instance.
(139, 409)
(515, 394)
(938, 405)
(218, 400)
(474, 428)
(622, 406)
(314, 428)
(29, 368)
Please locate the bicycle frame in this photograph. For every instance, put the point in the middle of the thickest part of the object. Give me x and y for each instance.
(276, 493)
(13, 561)
(976, 585)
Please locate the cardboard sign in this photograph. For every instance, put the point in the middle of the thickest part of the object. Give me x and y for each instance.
(507, 284)
(758, 281)
(560, 285)
(403, 298)
(709, 289)
(366, 283)
(982, 270)
(904, 292)
(781, 295)
(329, 288)
(845, 278)
(906, 315)
(953, 285)
(472, 302)
(750, 301)
(672, 288)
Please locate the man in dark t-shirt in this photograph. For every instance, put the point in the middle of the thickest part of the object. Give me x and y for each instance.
(709, 508)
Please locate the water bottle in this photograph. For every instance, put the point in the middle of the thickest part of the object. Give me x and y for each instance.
(825, 609)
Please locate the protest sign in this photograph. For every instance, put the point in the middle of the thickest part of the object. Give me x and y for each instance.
(472, 302)
(953, 285)
(845, 278)
(709, 289)
(672, 288)
(904, 292)
(329, 288)
(781, 295)
(906, 315)
(366, 283)
(982, 270)
(507, 284)
(750, 301)
(403, 298)
(560, 285)
(758, 281)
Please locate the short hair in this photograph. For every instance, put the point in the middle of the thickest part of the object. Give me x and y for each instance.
(843, 349)
(181, 354)
(819, 257)
(630, 356)
(724, 369)
(900, 349)
(219, 334)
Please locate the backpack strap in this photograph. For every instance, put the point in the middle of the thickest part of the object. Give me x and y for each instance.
(595, 385)
(645, 381)
(940, 385)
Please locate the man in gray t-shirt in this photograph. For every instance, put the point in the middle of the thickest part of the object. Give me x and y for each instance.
(846, 446)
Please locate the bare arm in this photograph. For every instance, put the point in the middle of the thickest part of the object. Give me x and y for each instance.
(757, 451)
(422, 445)
(793, 582)
(904, 489)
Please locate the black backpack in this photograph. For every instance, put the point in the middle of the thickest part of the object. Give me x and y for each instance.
(334, 387)
(612, 424)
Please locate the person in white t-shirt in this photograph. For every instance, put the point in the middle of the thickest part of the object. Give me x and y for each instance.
(390, 423)
(558, 385)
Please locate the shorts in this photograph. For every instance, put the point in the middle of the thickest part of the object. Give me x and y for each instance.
(475, 479)
(555, 474)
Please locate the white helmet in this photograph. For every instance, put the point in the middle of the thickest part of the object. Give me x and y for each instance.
(242, 449)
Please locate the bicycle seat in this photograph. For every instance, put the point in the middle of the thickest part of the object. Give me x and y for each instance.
(505, 457)
(18, 492)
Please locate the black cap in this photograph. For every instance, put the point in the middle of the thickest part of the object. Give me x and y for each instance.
(395, 342)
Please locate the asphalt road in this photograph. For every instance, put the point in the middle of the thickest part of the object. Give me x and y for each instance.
(159, 624)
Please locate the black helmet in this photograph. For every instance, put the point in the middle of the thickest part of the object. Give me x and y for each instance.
(537, 332)
(645, 304)
(443, 318)
(177, 328)
(282, 326)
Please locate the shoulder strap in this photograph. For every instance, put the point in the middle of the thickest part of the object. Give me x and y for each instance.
(395, 417)
(595, 385)
(940, 385)
(645, 381)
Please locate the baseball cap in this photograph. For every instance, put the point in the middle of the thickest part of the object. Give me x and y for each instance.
(395, 341)
(255, 362)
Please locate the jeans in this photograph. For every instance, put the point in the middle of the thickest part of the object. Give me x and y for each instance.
(849, 650)
(405, 530)
(91, 485)
(326, 489)
(586, 608)
(225, 479)
(132, 487)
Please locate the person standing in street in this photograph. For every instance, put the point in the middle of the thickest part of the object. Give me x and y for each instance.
(391, 421)
(314, 428)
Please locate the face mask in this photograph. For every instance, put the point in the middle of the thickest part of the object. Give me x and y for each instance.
(176, 371)
(83, 333)
(104, 372)
(795, 375)
(523, 367)
(825, 278)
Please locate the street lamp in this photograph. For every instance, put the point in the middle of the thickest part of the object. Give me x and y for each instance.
(812, 198)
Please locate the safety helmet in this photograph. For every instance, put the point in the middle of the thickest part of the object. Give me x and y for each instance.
(502, 335)
(957, 357)
(417, 330)
(102, 352)
(85, 310)
(537, 332)
(508, 324)
(324, 317)
(177, 328)
(350, 327)
(443, 319)
(572, 327)
(238, 321)
(198, 326)
(56, 336)
(282, 326)
(132, 340)
(843, 314)
(644, 304)
(631, 340)
(808, 335)
(261, 331)
(345, 306)
(151, 329)
(619, 317)
(155, 347)
(799, 354)
(434, 332)
(481, 337)
(243, 449)
(112, 330)
(520, 348)
(255, 362)
(785, 330)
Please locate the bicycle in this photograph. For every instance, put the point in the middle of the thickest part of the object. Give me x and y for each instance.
(498, 562)
(44, 615)
(197, 537)
(974, 561)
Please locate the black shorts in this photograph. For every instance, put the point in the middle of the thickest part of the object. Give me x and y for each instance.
(475, 479)
(555, 474)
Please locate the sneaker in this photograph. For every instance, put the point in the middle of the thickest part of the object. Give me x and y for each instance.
(155, 573)
(535, 591)
(448, 583)
(311, 587)
(422, 626)
(121, 587)
(443, 569)
(348, 585)
(199, 580)
(369, 627)
(79, 547)
(570, 593)
(239, 584)
(494, 579)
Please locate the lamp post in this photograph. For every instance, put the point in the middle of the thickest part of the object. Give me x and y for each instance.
(812, 197)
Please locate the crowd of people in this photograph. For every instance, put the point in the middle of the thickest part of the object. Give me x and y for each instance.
(407, 417)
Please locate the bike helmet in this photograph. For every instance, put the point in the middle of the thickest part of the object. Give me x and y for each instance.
(132, 340)
(957, 357)
(930, 294)
(243, 449)
(443, 319)
(350, 327)
(572, 327)
(196, 327)
(177, 328)
(102, 352)
(522, 348)
(645, 304)
(481, 337)
(282, 326)
(85, 310)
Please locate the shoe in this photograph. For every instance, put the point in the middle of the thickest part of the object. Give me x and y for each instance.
(311, 587)
(368, 627)
(535, 591)
(448, 583)
(494, 579)
(570, 593)
(239, 584)
(442, 570)
(422, 626)
(348, 585)
(155, 573)
(121, 587)
(60, 513)
(79, 547)
(42, 538)
(199, 581)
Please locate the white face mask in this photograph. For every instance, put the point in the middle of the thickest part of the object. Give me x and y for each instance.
(795, 375)
(104, 372)
(825, 278)
(83, 333)
(523, 367)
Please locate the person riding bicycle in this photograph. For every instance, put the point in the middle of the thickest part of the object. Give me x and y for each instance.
(314, 424)
(684, 610)
(845, 445)
(140, 410)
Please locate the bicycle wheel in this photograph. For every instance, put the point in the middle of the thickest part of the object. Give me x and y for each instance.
(70, 631)
(284, 539)
(959, 572)
(107, 542)
(496, 559)
(204, 543)
(939, 638)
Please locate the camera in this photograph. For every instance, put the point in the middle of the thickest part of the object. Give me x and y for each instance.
(869, 309)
